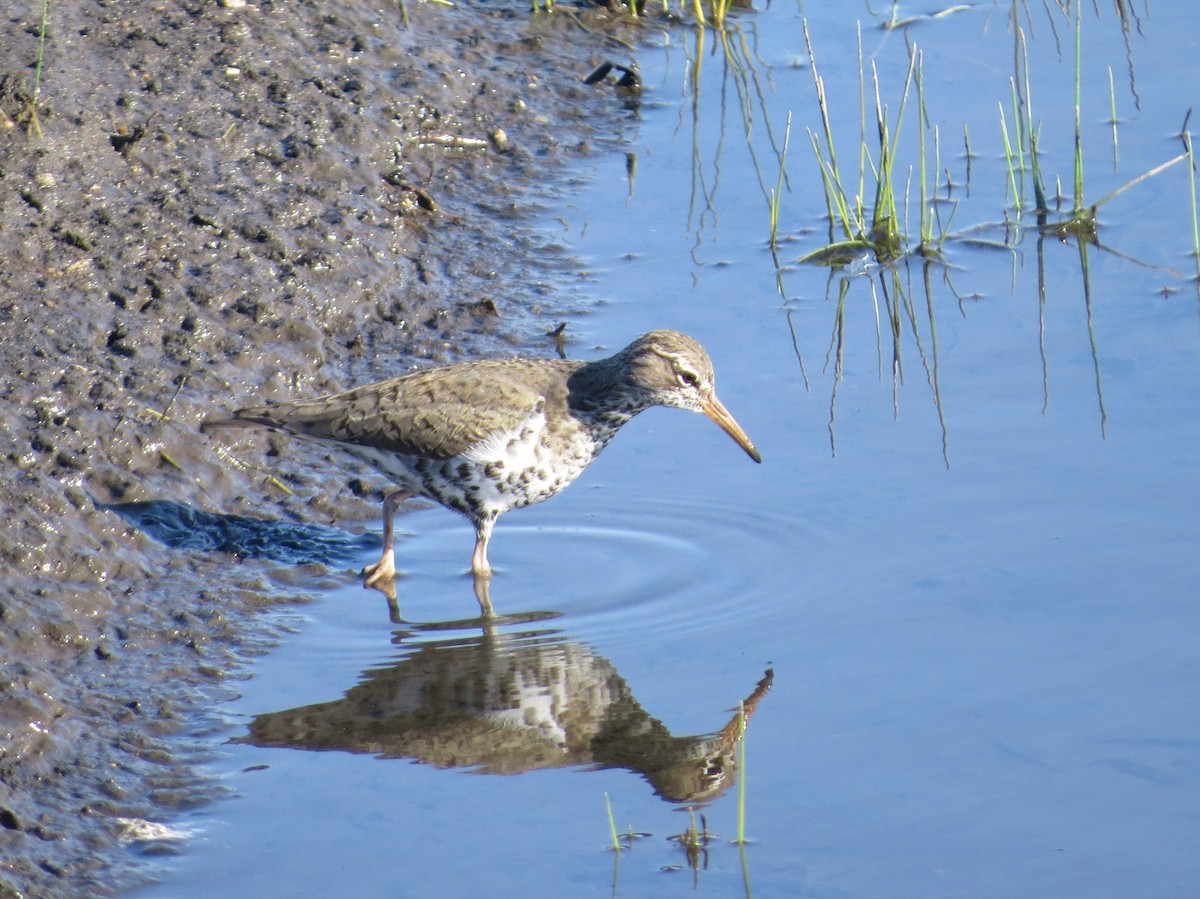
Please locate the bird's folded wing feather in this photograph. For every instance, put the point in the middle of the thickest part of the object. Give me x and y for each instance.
(437, 413)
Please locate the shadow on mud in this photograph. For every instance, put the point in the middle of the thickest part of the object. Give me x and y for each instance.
(180, 526)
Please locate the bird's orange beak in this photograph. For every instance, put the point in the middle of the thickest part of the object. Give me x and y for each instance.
(718, 413)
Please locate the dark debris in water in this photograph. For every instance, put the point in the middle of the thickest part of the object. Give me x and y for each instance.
(630, 80)
(180, 526)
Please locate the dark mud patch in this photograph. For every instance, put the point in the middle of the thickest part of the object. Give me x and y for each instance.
(227, 201)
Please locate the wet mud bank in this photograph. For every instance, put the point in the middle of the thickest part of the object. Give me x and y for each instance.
(208, 201)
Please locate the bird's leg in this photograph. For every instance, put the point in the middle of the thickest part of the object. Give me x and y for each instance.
(483, 533)
(480, 568)
(382, 574)
(484, 595)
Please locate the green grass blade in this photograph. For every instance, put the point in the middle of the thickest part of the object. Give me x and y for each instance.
(612, 825)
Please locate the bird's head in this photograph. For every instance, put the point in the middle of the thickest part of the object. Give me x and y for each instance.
(671, 369)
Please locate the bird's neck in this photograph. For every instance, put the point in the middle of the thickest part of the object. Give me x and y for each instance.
(600, 393)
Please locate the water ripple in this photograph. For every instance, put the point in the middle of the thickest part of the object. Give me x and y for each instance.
(680, 564)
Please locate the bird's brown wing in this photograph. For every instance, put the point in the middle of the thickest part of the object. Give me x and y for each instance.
(437, 413)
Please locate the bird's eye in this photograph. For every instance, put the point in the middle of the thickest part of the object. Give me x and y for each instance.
(688, 379)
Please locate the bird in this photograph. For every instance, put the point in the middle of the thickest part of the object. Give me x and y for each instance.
(487, 436)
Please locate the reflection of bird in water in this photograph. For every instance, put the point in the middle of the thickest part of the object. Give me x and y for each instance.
(482, 438)
(508, 704)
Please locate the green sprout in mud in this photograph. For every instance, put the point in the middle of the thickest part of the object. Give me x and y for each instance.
(30, 112)
(236, 462)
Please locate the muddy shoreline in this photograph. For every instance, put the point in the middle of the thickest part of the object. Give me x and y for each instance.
(227, 201)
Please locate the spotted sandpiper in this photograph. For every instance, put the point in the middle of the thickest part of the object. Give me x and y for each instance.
(485, 437)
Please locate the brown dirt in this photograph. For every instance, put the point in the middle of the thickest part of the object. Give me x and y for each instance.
(230, 201)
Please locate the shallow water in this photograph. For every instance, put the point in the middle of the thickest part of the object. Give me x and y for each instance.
(981, 617)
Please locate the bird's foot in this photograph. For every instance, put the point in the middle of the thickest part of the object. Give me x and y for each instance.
(382, 575)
